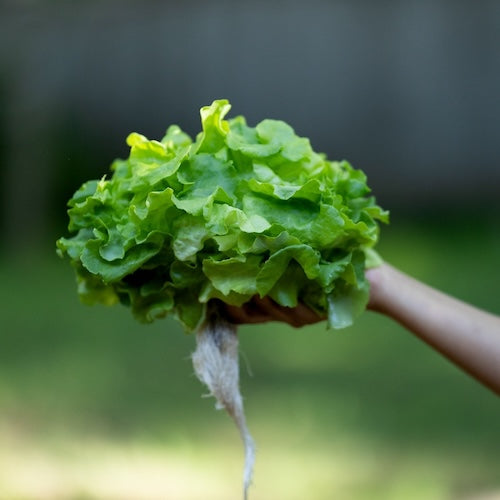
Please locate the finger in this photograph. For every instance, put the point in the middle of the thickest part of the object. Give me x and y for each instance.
(297, 316)
(247, 313)
(304, 315)
(270, 308)
(263, 310)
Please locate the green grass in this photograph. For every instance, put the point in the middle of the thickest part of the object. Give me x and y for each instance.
(365, 413)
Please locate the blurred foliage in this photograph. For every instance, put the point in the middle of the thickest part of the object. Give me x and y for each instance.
(369, 412)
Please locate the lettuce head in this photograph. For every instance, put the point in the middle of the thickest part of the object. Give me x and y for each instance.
(238, 212)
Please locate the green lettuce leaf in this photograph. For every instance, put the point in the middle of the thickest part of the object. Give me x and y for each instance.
(238, 212)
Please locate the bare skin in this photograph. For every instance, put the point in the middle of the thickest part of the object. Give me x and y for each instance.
(467, 336)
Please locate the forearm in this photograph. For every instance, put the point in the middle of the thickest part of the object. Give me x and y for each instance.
(467, 336)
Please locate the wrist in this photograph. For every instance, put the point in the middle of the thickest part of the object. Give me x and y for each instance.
(378, 278)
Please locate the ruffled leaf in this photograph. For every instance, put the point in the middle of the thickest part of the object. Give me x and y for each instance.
(239, 212)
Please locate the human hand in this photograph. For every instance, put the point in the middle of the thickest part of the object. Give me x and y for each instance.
(263, 310)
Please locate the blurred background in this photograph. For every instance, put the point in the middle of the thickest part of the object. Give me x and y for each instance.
(94, 406)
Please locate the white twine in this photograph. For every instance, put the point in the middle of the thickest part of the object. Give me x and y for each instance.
(215, 362)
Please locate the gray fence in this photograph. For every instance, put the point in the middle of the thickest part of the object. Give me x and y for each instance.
(409, 91)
